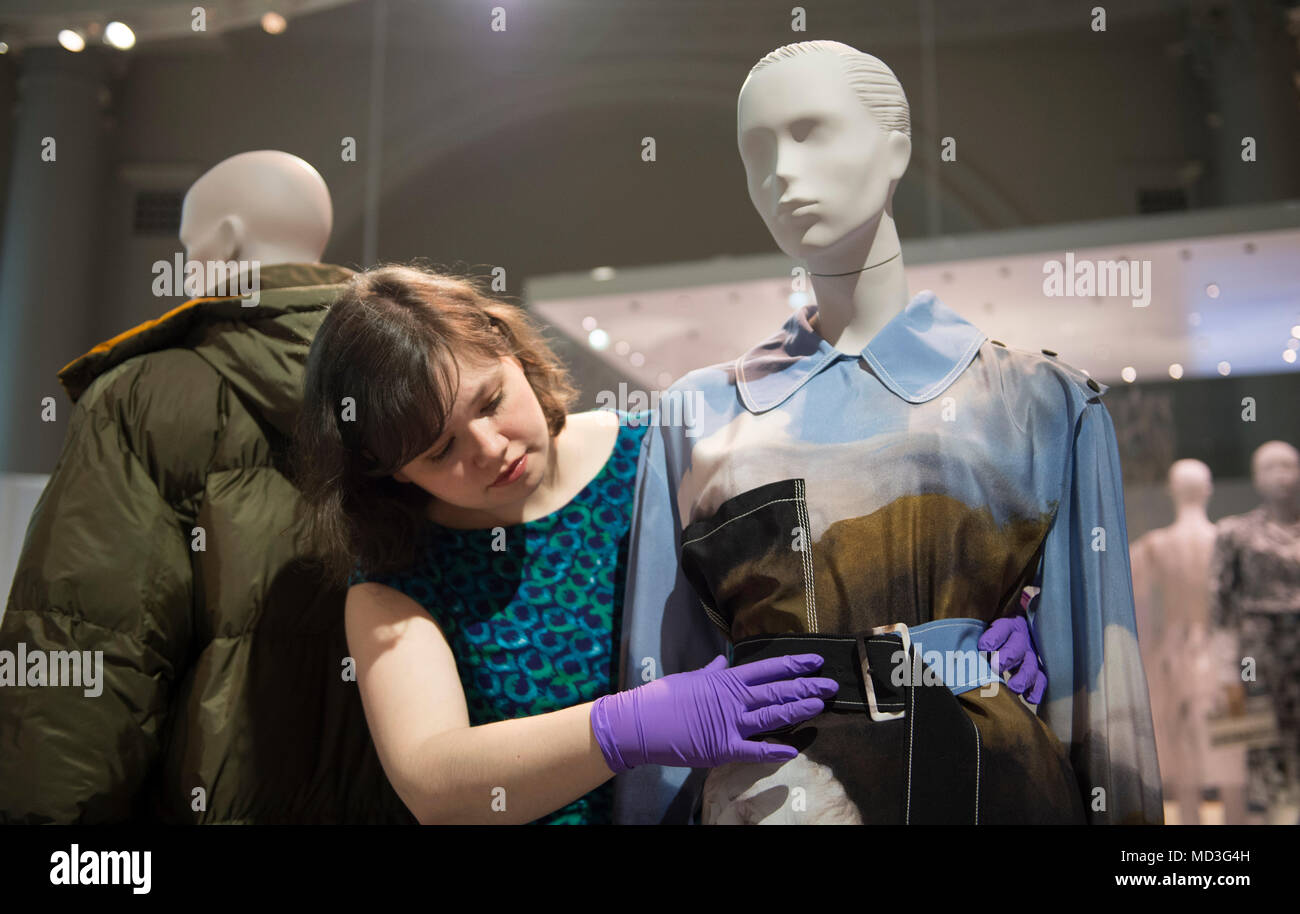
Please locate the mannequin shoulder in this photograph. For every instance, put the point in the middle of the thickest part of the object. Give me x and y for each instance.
(1044, 366)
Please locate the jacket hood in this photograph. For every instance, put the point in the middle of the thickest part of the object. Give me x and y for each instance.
(259, 350)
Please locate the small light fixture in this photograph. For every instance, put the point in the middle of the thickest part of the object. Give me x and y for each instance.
(119, 35)
(71, 40)
(273, 23)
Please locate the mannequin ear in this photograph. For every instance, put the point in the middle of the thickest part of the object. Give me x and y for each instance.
(900, 148)
(230, 235)
(221, 243)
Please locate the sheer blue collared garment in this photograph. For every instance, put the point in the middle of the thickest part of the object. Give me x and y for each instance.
(936, 476)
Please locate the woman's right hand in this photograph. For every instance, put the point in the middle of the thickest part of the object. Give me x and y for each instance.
(701, 718)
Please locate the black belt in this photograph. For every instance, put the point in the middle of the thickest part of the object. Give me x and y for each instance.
(937, 741)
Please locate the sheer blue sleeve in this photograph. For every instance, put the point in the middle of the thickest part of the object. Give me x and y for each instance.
(1096, 700)
(664, 631)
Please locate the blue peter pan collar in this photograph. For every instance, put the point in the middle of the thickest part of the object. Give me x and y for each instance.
(917, 355)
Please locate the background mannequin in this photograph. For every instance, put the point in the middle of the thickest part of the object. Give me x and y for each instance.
(1172, 597)
(222, 699)
(1255, 574)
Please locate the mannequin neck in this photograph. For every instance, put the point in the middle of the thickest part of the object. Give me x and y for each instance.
(1283, 511)
(852, 308)
(1191, 513)
(267, 254)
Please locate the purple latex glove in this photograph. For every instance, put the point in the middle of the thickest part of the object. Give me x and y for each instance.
(1009, 636)
(699, 719)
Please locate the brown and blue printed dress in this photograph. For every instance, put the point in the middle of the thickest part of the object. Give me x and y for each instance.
(934, 476)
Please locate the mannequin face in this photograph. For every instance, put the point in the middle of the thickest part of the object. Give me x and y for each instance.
(804, 135)
(1276, 472)
(495, 420)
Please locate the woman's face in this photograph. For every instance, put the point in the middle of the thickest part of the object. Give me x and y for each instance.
(495, 421)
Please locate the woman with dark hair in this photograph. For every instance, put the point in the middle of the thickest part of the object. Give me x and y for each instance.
(485, 532)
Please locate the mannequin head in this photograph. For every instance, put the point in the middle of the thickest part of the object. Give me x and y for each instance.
(823, 122)
(1190, 484)
(264, 206)
(1275, 470)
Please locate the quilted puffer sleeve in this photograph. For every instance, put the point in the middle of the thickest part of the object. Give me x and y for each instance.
(105, 572)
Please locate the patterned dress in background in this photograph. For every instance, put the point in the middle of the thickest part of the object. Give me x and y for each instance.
(1255, 574)
(534, 627)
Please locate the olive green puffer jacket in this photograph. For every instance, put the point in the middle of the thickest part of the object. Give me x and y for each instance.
(166, 538)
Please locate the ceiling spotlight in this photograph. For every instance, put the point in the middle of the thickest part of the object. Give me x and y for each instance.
(1225, 369)
(71, 40)
(119, 35)
(1175, 371)
(1288, 355)
(273, 23)
(4, 47)
(598, 339)
(1212, 290)
(1129, 374)
(602, 274)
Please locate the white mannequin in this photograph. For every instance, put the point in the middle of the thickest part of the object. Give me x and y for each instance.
(265, 206)
(1182, 550)
(831, 125)
(1171, 590)
(823, 132)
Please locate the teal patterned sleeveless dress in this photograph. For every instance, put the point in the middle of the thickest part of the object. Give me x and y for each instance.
(535, 626)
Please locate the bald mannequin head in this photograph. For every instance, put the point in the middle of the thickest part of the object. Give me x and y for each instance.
(1275, 470)
(824, 132)
(1190, 483)
(265, 206)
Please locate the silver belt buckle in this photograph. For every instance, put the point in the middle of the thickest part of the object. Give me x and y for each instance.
(873, 708)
